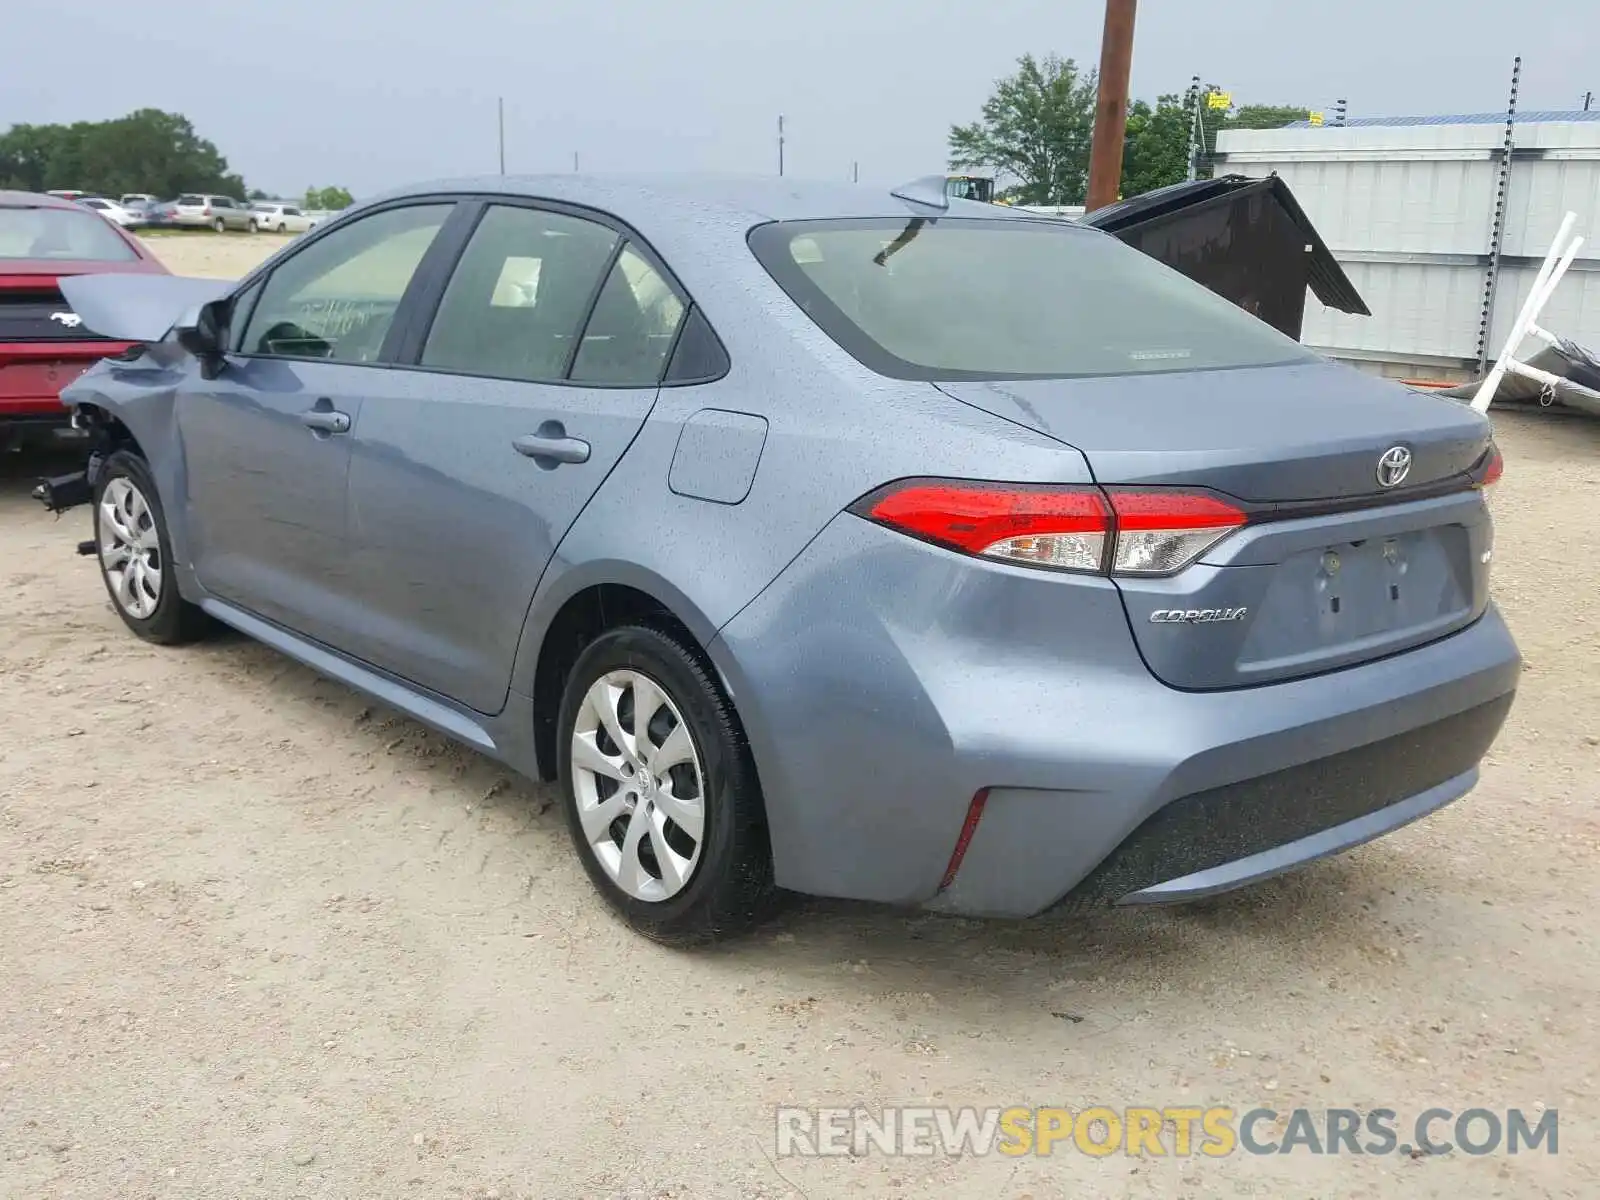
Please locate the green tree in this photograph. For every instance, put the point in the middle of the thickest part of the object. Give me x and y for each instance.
(1034, 132)
(146, 151)
(1156, 151)
(328, 199)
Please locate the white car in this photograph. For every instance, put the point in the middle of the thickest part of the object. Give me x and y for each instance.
(111, 211)
(280, 218)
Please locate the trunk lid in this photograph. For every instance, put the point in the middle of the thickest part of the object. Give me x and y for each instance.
(1334, 569)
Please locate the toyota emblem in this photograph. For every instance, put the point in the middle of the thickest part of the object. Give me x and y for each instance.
(1394, 466)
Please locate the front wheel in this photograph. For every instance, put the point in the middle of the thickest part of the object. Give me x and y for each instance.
(660, 792)
(130, 533)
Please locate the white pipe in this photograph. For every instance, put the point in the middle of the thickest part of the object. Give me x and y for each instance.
(1537, 295)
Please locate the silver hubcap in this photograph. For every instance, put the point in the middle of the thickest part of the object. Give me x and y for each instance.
(639, 784)
(130, 550)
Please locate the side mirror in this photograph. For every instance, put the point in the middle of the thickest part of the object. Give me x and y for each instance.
(206, 337)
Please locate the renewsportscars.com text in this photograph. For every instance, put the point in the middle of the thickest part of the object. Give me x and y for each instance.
(1170, 1131)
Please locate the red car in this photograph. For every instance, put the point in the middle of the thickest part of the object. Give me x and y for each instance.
(42, 344)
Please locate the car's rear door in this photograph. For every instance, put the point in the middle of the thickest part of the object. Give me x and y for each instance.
(535, 373)
(267, 442)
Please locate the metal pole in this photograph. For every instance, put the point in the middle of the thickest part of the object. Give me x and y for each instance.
(1111, 113)
(574, 162)
(855, 172)
(1497, 229)
(502, 103)
(1588, 99)
(780, 144)
(1194, 128)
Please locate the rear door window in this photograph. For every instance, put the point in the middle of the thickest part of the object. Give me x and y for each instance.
(517, 299)
(959, 298)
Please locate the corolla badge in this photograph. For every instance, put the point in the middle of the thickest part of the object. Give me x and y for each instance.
(1394, 466)
(1196, 616)
(70, 319)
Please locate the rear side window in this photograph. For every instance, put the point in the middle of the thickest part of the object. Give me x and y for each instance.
(635, 321)
(514, 304)
(960, 298)
(60, 233)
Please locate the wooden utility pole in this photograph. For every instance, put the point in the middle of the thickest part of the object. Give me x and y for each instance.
(1111, 113)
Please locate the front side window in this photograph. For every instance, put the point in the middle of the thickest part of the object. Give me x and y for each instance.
(1004, 299)
(337, 297)
(513, 307)
(630, 335)
(60, 233)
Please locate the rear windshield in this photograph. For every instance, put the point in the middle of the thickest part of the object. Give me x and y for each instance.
(60, 233)
(974, 298)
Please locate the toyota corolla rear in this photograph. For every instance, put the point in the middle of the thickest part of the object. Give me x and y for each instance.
(1257, 631)
(43, 346)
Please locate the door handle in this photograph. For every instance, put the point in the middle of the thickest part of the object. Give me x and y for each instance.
(326, 420)
(549, 451)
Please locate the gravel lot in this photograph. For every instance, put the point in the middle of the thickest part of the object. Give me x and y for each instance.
(260, 938)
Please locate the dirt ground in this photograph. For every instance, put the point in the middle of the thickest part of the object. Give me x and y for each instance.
(261, 938)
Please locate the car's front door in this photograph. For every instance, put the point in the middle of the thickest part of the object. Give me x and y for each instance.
(534, 375)
(267, 442)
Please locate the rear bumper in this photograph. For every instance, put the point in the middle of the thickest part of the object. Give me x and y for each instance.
(883, 683)
(33, 374)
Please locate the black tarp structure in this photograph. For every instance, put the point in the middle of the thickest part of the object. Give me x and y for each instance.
(1246, 239)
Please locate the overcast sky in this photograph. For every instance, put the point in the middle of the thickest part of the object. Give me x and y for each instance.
(373, 93)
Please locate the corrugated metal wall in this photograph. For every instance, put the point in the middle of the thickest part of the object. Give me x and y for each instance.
(1408, 210)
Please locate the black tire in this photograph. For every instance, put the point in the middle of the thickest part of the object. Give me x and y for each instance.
(220, 225)
(254, 228)
(281, 227)
(174, 620)
(731, 887)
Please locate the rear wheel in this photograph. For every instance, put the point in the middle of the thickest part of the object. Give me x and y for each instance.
(254, 228)
(220, 225)
(661, 795)
(130, 533)
(281, 227)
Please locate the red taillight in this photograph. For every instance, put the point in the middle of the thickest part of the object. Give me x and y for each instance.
(1069, 528)
(1493, 469)
(1046, 526)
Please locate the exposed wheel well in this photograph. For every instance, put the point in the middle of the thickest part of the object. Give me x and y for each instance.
(583, 618)
(113, 434)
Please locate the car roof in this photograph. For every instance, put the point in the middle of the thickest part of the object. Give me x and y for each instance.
(10, 199)
(651, 200)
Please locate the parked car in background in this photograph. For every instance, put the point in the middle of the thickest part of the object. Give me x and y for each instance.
(131, 199)
(281, 218)
(199, 210)
(865, 544)
(43, 344)
(144, 213)
(68, 194)
(111, 211)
